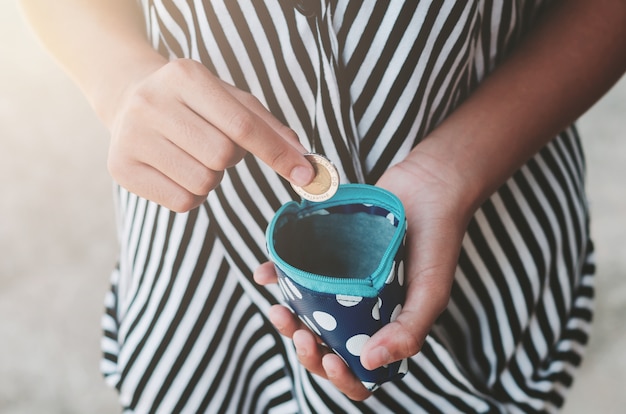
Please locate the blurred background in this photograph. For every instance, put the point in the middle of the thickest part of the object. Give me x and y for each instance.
(57, 239)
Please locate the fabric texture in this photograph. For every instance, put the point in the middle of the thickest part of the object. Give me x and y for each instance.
(185, 328)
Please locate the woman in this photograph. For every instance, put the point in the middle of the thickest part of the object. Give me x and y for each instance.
(462, 109)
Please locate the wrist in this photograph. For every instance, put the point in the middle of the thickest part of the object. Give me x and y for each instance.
(429, 185)
(450, 170)
(107, 90)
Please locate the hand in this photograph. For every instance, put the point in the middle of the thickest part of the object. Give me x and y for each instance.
(437, 213)
(314, 356)
(179, 127)
(437, 217)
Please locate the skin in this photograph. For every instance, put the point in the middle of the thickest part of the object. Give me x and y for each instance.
(566, 64)
(174, 126)
(562, 68)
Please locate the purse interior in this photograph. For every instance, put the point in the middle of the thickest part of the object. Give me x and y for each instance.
(343, 245)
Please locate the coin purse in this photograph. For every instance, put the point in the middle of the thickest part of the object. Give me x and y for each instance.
(340, 266)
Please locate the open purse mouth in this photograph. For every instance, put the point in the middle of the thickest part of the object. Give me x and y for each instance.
(345, 243)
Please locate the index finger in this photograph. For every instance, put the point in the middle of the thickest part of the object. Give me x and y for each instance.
(265, 274)
(210, 99)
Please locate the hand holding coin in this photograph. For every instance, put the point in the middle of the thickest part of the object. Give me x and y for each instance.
(325, 183)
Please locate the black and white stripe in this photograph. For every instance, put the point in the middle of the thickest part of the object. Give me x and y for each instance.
(363, 82)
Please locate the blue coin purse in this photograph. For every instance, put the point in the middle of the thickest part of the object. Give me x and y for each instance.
(340, 266)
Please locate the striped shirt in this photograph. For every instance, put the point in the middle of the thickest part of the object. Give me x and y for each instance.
(363, 82)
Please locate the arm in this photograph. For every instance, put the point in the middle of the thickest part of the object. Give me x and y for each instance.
(174, 126)
(572, 57)
(576, 53)
(101, 44)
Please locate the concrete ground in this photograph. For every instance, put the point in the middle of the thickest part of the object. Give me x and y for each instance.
(57, 241)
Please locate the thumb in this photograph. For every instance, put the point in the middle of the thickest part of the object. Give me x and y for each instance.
(403, 338)
(395, 341)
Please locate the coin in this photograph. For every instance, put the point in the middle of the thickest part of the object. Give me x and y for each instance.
(326, 180)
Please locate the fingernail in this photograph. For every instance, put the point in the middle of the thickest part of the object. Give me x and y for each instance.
(301, 175)
(301, 351)
(275, 321)
(380, 356)
(331, 372)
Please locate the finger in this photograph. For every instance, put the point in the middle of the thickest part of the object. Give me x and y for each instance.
(284, 320)
(201, 140)
(309, 352)
(180, 167)
(265, 274)
(340, 375)
(139, 140)
(393, 342)
(240, 124)
(425, 300)
(147, 182)
(262, 112)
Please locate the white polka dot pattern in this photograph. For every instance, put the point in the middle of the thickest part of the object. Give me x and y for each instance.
(376, 310)
(346, 322)
(355, 344)
(293, 289)
(348, 301)
(325, 320)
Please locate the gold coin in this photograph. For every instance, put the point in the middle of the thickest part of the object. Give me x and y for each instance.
(325, 183)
